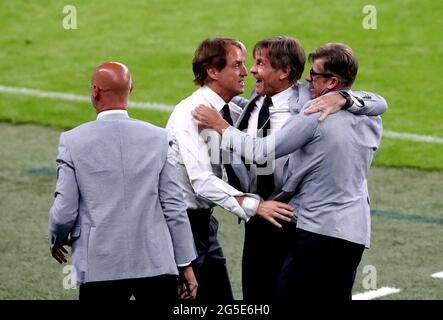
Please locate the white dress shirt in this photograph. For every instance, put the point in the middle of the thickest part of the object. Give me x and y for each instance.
(108, 112)
(279, 112)
(196, 154)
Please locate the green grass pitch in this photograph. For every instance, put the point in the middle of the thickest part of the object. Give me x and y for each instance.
(156, 39)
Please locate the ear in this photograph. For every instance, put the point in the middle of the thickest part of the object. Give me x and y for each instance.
(212, 73)
(95, 91)
(284, 73)
(132, 87)
(333, 84)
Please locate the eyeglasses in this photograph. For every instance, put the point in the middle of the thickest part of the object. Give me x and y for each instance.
(322, 74)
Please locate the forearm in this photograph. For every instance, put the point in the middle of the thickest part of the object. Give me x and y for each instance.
(367, 103)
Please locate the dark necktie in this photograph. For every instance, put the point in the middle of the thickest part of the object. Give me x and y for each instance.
(245, 120)
(232, 177)
(265, 183)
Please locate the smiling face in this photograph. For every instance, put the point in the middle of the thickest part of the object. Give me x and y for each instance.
(269, 81)
(229, 81)
(320, 81)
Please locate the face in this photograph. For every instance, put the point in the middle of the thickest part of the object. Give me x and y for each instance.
(269, 81)
(229, 82)
(320, 81)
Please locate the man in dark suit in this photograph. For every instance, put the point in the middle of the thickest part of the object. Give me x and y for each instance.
(279, 64)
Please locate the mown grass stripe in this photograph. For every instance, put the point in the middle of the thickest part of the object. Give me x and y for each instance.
(159, 106)
(74, 97)
(406, 216)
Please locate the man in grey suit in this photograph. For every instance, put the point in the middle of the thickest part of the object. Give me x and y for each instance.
(279, 64)
(324, 180)
(118, 204)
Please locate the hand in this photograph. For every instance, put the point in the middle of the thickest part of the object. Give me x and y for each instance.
(59, 254)
(209, 118)
(187, 288)
(326, 105)
(271, 210)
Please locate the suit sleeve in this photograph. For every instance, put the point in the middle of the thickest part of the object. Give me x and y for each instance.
(64, 211)
(174, 210)
(240, 101)
(297, 131)
(367, 103)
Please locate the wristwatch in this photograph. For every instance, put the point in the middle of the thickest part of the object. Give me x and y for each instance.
(349, 101)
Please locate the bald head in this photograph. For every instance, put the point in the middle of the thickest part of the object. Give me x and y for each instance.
(111, 85)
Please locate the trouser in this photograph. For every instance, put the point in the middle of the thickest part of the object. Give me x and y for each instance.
(318, 267)
(210, 265)
(264, 251)
(159, 288)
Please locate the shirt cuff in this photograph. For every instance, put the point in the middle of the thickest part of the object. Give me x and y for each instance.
(250, 204)
(182, 265)
(356, 105)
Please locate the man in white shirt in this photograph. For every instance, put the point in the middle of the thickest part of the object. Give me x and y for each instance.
(219, 69)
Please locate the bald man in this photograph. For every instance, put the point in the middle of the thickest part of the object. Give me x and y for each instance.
(120, 208)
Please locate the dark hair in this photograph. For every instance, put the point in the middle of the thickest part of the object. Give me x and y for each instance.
(284, 52)
(339, 59)
(211, 53)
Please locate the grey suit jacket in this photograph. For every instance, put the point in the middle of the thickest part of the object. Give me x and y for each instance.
(367, 104)
(325, 176)
(118, 200)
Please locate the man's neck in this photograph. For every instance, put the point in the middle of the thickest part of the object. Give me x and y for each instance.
(221, 93)
(107, 108)
(281, 89)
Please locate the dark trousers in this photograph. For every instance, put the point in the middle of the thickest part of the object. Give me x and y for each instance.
(210, 264)
(160, 288)
(264, 251)
(318, 267)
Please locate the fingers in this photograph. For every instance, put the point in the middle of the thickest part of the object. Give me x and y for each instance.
(193, 293)
(189, 295)
(274, 222)
(323, 116)
(313, 107)
(284, 206)
(59, 256)
(282, 211)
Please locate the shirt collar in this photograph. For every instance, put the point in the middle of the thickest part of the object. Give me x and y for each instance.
(108, 112)
(281, 99)
(214, 99)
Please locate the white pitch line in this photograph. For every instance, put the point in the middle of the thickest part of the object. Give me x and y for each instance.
(158, 106)
(74, 97)
(437, 275)
(373, 294)
(413, 137)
